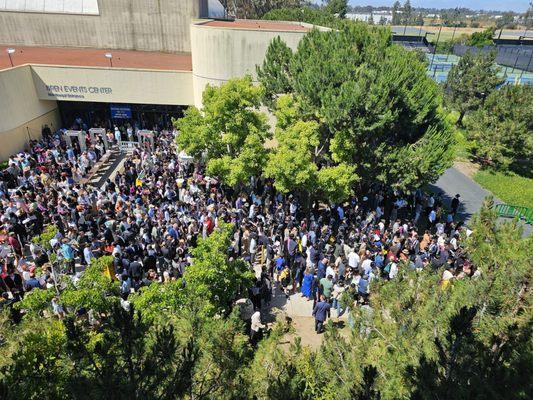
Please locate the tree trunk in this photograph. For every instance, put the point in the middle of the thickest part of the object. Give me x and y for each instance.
(460, 119)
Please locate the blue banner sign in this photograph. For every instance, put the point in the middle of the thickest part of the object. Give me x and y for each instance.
(120, 111)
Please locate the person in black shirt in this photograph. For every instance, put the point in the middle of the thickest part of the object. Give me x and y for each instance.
(455, 204)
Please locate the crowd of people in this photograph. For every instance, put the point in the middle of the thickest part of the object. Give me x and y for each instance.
(152, 213)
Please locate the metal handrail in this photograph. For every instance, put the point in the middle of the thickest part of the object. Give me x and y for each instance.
(512, 211)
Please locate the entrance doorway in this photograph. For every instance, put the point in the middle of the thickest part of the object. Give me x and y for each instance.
(78, 115)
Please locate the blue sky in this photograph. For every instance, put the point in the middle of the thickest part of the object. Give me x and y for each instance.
(513, 5)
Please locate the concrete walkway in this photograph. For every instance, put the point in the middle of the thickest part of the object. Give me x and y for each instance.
(454, 182)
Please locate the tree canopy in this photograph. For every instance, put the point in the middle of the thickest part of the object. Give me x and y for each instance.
(372, 100)
(275, 70)
(229, 131)
(502, 129)
(296, 161)
(213, 276)
(337, 7)
(470, 82)
(309, 15)
(250, 9)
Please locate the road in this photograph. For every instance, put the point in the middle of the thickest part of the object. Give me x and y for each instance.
(472, 195)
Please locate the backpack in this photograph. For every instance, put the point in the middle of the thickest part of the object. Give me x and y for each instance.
(387, 268)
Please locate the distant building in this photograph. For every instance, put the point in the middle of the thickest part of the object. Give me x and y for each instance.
(375, 17)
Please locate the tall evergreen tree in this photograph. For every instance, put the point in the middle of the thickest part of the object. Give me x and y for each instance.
(502, 129)
(396, 13)
(337, 7)
(407, 14)
(274, 72)
(375, 105)
(470, 82)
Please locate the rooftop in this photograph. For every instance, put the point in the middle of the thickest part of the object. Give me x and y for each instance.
(95, 58)
(249, 24)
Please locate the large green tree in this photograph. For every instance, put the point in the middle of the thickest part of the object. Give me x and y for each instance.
(502, 130)
(376, 108)
(229, 131)
(337, 7)
(274, 72)
(470, 82)
(396, 13)
(298, 164)
(213, 276)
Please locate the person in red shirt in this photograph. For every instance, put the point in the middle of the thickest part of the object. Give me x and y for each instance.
(209, 225)
(14, 243)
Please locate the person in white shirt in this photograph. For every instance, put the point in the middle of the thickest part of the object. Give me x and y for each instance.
(252, 249)
(353, 259)
(367, 265)
(118, 136)
(393, 270)
(255, 328)
(88, 254)
(331, 271)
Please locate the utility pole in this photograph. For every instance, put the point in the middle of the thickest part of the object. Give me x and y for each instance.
(434, 51)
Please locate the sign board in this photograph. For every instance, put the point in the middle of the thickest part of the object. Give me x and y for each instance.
(120, 111)
(146, 133)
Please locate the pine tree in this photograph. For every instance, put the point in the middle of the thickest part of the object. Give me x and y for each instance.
(274, 72)
(470, 82)
(396, 13)
(501, 129)
(407, 15)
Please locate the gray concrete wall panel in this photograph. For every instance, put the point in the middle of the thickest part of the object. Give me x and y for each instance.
(149, 25)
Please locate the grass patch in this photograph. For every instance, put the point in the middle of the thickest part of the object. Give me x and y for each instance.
(462, 145)
(511, 188)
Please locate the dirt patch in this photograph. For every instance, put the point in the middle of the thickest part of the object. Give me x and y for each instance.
(467, 168)
(304, 328)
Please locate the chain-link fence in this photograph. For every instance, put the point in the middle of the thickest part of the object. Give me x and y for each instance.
(510, 56)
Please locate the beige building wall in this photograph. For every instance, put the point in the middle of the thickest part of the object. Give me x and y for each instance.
(22, 113)
(221, 53)
(113, 85)
(153, 25)
(15, 140)
(28, 95)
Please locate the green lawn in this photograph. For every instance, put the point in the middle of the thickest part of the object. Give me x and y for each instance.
(512, 189)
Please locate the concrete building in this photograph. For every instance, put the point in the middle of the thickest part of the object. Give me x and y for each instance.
(61, 59)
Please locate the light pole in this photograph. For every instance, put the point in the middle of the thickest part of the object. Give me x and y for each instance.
(434, 51)
(9, 52)
(527, 68)
(109, 56)
(517, 54)
(453, 35)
